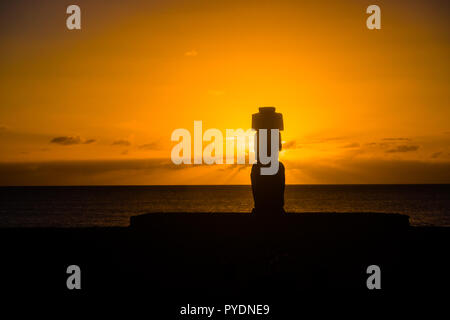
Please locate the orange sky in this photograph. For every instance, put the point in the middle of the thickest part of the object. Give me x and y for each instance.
(359, 106)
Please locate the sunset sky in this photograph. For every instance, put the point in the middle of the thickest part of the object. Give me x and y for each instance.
(98, 105)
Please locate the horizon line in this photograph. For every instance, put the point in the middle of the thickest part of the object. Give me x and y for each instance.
(225, 185)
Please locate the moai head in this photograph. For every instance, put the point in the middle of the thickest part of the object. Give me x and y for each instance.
(267, 119)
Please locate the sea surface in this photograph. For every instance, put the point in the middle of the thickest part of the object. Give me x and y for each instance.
(113, 205)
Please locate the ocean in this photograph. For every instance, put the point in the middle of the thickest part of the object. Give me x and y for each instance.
(88, 206)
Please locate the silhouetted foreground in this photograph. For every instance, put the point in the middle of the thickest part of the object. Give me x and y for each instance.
(225, 257)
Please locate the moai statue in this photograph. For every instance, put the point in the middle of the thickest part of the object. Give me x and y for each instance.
(268, 189)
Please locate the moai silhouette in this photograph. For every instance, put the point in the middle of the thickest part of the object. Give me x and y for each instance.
(268, 190)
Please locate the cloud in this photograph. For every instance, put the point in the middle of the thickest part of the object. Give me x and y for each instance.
(292, 144)
(121, 143)
(436, 155)
(381, 144)
(370, 144)
(163, 171)
(67, 140)
(150, 146)
(367, 171)
(81, 172)
(403, 148)
(351, 145)
(397, 139)
(191, 53)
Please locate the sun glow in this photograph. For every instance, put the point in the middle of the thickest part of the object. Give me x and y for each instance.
(347, 94)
